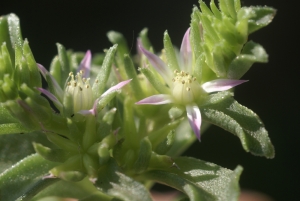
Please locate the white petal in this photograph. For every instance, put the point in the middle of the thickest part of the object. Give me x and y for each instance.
(221, 85)
(156, 100)
(194, 117)
(186, 52)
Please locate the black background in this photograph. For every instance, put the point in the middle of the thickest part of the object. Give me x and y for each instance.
(272, 91)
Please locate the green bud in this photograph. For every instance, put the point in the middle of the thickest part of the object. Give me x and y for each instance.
(55, 155)
(63, 143)
(21, 111)
(143, 158)
(91, 165)
(157, 136)
(160, 161)
(8, 89)
(89, 136)
(165, 145)
(6, 66)
(131, 73)
(34, 74)
(175, 112)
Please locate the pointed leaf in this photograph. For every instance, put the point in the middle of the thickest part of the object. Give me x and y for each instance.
(25, 173)
(102, 77)
(113, 182)
(251, 53)
(227, 113)
(199, 180)
(258, 17)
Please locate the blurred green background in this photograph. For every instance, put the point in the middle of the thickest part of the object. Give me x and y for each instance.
(271, 92)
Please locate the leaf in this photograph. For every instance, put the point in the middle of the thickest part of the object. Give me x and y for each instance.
(22, 175)
(5, 116)
(83, 190)
(10, 146)
(258, 17)
(251, 53)
(118, 38)
(102, 77)
(113, 182)
(228, 114)
(199, 180)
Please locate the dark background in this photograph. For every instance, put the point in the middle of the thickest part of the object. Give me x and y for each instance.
(271, 92)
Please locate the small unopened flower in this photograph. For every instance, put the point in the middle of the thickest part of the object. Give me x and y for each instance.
(77, 96)
(184, 88)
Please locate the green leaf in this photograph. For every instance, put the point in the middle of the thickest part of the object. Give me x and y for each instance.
(170, 53)
(64, 63)
(131, 74)
(258, 17)
(228, 114)
(81, 190)
(143, 36)
(102, 77)
(22, 175)
(5, 116)
(118, 38)
(13, 128)
(144, 155)
(113, 182)
(199, 180)
(251, 53)
(10, 146)
(184, 137)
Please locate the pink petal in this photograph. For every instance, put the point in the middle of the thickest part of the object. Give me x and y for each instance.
(156, 100)
(194, 117)
(50, 96)
(158, 64)
(186, 52)
(116, 87)
(85, 64)
(221, 85)
(57, 89)
(87, 112)
(42, 70)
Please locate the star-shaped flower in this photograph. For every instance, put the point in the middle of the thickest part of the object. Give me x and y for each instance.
(184, 88)
(78, 93)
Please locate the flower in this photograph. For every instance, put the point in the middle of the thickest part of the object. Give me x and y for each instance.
(184, 88)
(77, 97)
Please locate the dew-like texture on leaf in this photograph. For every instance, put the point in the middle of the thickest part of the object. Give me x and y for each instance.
(228, 114)
(117, 184)
(200, 180)
(15, 147)
(15, 181)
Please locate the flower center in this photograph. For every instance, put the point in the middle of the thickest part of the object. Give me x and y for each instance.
(80, 90)
(186, 89)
